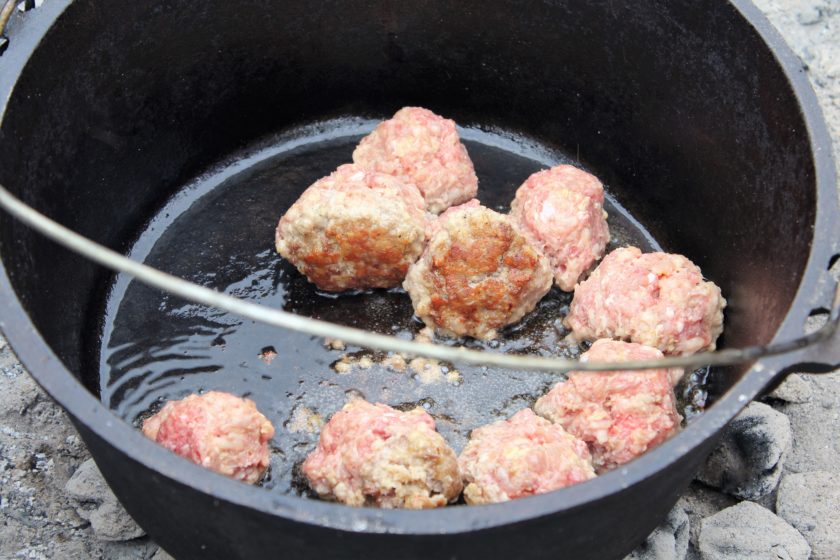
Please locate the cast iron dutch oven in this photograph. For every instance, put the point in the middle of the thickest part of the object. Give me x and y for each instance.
(694, 112)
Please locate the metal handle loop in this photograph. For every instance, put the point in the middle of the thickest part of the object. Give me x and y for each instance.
(275, 317)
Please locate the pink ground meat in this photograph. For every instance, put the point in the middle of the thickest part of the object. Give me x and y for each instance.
(619, 414)
(374, 455)
(560, 210)
(424, 149)
(216, 430)
(657, 299)
(354, 229)
(522, 456)
(477, 274)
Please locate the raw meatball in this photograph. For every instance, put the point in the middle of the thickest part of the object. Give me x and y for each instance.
(216, 430)
(424, 149)
(657, 299)
(519, 457)
(560, 210)
(477, 274)
(620, 414)
(354, 229)
(374, 455)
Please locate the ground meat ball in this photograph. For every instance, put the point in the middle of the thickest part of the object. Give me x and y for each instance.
(620, 414)
(560, 210)
(374, 455)
(422, 148)
(519, 457)
(655, 299)
(477, 274)
(354, 229)
(216, 430)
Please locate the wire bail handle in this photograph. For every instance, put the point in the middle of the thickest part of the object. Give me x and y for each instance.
(824, 338)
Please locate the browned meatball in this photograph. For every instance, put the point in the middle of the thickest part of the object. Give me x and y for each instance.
(354, 229)
(477, 274)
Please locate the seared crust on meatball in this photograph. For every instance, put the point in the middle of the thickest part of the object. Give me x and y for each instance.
(476, 275)
(561, 211)
(354, 229)
(657, 299)
(216, 430)
(424, 149)
(620, 414)
(374, 455)
(519, 457)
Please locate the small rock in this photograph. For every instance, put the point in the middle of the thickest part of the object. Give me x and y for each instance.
(748, 461)
(747, 530)
(138, 549)
(97, 504)
(699, 502)
(794, 389)
(161, 555)
(87, 484)
(669, 541)
(809, 502)
(809, 15)
(110, 522)
(816, 446)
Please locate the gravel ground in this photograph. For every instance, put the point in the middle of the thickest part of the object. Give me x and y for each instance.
(779, 500)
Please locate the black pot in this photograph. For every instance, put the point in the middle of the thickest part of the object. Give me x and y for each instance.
(694, 112)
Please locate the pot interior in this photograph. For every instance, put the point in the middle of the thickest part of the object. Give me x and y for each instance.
(126, 111)
(218, 232)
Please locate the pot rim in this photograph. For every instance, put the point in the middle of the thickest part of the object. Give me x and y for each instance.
(84, 407)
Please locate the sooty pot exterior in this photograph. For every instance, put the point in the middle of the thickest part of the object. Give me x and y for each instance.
(693, 111)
